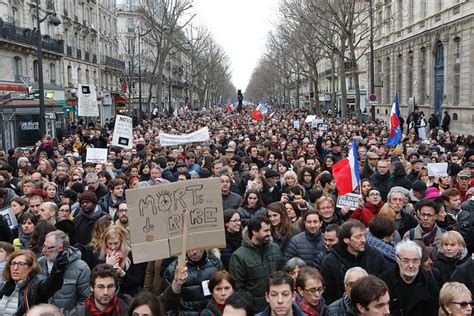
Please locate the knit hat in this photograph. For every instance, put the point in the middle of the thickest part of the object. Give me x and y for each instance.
(89, 196)
(432, 193)
(270, 173)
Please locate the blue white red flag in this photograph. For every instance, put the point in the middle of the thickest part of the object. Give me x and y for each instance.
(346, 172)
(394, 124)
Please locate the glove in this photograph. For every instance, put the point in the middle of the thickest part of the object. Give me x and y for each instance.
(62, 261)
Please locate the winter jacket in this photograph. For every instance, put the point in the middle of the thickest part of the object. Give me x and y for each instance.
(247, 213)
(38, 289)
(84, 224)
(296, 311)
(233, 242)
(399, 181)
(380, 182)
(339, 260)
(211, 309)
(75, 289)
(464, 274)
(405, 223)
(111, 207)
(416, 234)
(270, 195)
(448, 265)
(386, 249)
(283, 240)
(231, 201)
(423, 296)
(251, 265)
(367, 212)
(468, 206)
(192, 299)
(462, 222)
(342, 306)
(336, 219)
(307, 246)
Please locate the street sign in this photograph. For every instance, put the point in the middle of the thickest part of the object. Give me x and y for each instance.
(373, 98)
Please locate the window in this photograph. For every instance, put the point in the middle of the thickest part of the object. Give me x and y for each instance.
(400, 14)
(455, 116)
(410, 75)
(79, 76)
(411, 10)
(389, 18)
(456, 83)
(17, 68)
(439, 5)
(88, 76)
(35, 71)
(15, 17)
(423, 8)
(422, 76)
(457, 48)
(52, 73)
(69, 76)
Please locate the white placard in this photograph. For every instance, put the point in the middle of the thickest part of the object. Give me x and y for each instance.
(201, 135)
(123, 132)
(96, 155)
(9, 217)
(296, 124)
(351, 200)
(438, 169)
(315, 122)
(309, 118)
(87, 101)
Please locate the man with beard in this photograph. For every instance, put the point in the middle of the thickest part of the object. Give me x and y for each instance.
(255, 260)
(122, 213)
(413, 291)
(75, 291)
(103, 299)
(61, 178)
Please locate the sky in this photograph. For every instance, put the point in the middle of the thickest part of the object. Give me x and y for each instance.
(240, 27)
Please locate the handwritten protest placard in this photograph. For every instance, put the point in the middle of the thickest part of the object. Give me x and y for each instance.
(351, 200)
(156, 218)
(201, 135)
(123, 132)
(437, 169)
(96, 155)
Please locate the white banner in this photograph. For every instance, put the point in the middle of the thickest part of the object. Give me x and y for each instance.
(123, 132)
(96, 155)
(201, 135)
(9, 216)
(87, 100)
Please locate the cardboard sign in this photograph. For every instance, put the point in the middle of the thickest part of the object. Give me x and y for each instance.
(351, 200)
(296, 124)
(201, 135)
(323, 127)
(87, 101)
(96, 155)
(438, 169)
(10, 218)
(123, 132)
(316, 122)
(156, 218)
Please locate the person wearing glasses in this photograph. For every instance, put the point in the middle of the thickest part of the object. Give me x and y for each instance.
(413, 291)
(233, 235)
(455, 299)
(75, 289)
(371, 208)
(310, 288)
(24, 286)
(103, 299)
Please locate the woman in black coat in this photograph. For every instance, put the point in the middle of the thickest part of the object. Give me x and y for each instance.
(233, 235)
(398, 176)
(451, 254)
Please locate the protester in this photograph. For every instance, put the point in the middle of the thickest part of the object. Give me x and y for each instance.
(344, 305)
(371, 296)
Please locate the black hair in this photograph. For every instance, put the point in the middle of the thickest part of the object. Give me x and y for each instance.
(239, 300)
(366, 290)
(281, 278)
(145, 298)
(255, 224)
(345, 230)
(103, 270)
(429, 203)
(381, 226)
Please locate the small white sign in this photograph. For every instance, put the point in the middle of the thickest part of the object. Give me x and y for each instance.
(316, 122)
(87, 101)
(438, 169)
(351, 200)
(296, 124)
(123, 132)
(96, 155)
(10, 217)
(310, 118)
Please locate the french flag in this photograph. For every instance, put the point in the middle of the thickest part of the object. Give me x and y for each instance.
(394, 124)
(346, 172)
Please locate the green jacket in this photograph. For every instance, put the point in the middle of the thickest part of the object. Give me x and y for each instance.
(251, 266)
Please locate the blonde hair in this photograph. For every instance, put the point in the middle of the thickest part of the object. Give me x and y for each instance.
(455, 236)
(450, 292)
(117, 231)
(387, 211)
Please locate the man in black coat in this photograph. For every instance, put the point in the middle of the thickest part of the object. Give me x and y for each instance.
(351, 251)
(88, 213)
(380, 178)
(413, 291)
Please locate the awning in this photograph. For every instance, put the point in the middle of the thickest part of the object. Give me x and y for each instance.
(13, 87)
(120, 99)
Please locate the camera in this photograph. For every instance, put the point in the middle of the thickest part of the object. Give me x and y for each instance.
(291, 197)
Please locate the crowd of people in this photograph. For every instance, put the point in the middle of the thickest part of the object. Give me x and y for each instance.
(291, 249)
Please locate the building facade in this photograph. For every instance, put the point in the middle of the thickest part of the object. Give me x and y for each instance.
(424, 52)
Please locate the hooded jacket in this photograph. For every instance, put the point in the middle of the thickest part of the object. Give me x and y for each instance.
(84, 224)
(251, 265)
(75, 289)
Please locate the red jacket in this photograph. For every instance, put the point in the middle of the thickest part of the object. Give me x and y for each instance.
(367, 212)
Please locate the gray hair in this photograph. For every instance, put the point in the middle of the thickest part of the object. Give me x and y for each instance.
(408, 245)
(44, 310)
(293, 263)
(392, 191)
(290, 173)
(91, 175)
(61, 238)
(355, 269)
(51, 206)
(62, 165)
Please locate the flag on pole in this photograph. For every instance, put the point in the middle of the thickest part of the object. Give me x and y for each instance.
(346, 172)
(394, 124)
(256, 115)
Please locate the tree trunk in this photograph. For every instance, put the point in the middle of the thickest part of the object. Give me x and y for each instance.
(342, 79)
(333, 87)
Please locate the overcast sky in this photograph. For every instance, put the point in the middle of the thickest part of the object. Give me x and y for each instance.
(240, 27)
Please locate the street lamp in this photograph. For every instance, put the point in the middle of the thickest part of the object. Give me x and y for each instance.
(140, 35)
(169, 86)
(55, 21)
(372, 58)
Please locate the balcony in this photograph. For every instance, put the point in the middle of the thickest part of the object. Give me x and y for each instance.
(128, 7)
(94, 58)
(69, 51)
(86, 56)
(79, 54)
(12, 33)
(113, 63)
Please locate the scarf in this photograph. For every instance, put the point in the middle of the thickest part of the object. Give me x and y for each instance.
(112, 309)
(24, 240)
(429, 236)
(305, 307)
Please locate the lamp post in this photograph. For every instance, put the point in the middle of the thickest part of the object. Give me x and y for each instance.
(170, 112)
(55, 21)
(140, 109)
(372, 57)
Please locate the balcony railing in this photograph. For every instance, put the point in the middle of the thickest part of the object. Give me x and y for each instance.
(113, 63)
(69, 51)
(79, 54)
(86, 56)
(28, 37)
